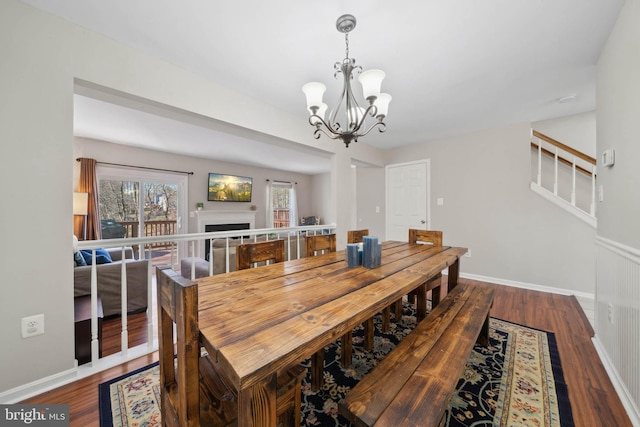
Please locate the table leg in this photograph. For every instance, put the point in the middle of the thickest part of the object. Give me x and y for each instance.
(317, 369)
(421, 305)
(347, 349)
(386, 319)
(257, 404)
(397, 312)
(454, 273)
(369, 330)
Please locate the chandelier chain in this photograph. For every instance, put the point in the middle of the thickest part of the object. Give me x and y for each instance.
(346, 44)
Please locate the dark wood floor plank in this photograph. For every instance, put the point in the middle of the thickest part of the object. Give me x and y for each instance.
(593, 399)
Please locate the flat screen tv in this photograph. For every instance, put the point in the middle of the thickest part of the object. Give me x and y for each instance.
(229, 188)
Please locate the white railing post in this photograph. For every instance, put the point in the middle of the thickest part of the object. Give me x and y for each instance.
(226, 255)
(95, 343)
(539, 162)
(555, 180)
(124, 333)
(593, 191)
(573, 182)
(150, 305)
(193, 260)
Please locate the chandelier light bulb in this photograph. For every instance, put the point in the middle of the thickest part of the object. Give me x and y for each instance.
(322, 110)
(371, 81)
(314, 92)
(383, 105)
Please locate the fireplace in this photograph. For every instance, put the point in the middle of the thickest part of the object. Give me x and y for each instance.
(211, 221)
(208, 228)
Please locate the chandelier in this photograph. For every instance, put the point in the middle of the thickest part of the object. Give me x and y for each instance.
(347, 120)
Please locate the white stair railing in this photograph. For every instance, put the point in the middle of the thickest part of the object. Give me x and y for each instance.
(565, 161)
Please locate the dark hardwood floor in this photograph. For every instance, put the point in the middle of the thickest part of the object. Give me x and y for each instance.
(594, 401)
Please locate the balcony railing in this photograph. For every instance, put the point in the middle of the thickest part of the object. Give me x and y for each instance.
(187, 245)
(152, 228)
(281, 218)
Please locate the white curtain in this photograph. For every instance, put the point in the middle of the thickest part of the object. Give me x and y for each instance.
(293, 206)
(269, 207)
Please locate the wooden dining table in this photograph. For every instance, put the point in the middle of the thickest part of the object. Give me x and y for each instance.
(258, 322)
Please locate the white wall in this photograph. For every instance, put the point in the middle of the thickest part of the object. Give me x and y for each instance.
(618, 241)
(513, 234)
(41, 56)
(116, 153)
(618, 113)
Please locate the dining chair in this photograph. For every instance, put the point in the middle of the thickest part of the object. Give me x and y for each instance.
(259, 252)
(192, 392)
(355, 236)
(320, 243)
(434, 238)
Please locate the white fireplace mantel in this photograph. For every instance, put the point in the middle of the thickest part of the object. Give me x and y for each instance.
(225, 217)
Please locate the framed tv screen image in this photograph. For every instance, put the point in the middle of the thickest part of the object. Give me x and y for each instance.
(229, 188)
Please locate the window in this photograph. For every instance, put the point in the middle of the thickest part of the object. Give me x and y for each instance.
(136, 203)
(282, 209)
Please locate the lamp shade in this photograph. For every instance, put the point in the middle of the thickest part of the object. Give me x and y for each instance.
(382, 103)
(371, 81)
(314, 92)
(80, 203)
(321, 112)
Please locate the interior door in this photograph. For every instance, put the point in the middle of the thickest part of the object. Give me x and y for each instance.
(407, 199)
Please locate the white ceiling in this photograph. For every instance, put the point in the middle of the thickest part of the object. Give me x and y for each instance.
(452, 66)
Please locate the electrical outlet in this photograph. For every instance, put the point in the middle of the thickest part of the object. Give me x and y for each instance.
(468, 253)
(32, 326)
(610, 312)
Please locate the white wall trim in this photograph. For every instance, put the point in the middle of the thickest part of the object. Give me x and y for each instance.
(586, 300)
(39, 386)
(623, 393)
(579, 213)
(628, 252)
(60, 379)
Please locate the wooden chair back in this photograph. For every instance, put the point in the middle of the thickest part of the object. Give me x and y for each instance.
(178, 303)
(355, 236)
(320, 243)
(431, 237)
(249, 253)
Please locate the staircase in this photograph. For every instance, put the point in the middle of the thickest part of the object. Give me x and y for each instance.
(564, 176)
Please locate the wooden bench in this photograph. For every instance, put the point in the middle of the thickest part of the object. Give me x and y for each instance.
(414, 383)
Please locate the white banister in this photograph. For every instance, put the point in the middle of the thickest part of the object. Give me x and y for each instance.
(566, 157)
(555, 165)
(539, 161)
(573, 182)
(192, 241)
(95, 343)
(124, 306)
(150, 306)
(593, 191)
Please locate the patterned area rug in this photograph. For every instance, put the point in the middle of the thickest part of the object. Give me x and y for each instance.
(516, 381)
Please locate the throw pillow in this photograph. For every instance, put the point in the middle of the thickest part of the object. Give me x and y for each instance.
(79, 259)
(102, 256)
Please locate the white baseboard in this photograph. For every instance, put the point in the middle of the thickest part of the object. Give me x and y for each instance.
(51, 382)
(586, 300)
(623, 393)
(39, 386)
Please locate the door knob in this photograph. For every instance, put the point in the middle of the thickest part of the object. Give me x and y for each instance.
(423, 221)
